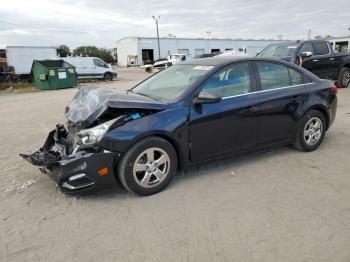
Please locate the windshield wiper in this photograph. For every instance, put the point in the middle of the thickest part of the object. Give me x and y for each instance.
(145, 95)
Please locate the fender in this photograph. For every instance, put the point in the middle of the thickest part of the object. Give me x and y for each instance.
(171, 123)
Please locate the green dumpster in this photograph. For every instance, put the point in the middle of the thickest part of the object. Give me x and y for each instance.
(53, 74)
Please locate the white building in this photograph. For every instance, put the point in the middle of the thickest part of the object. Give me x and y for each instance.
(138, 50)
(340, 44)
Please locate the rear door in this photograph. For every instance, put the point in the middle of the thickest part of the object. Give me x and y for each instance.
(281, 92)
(230, 125)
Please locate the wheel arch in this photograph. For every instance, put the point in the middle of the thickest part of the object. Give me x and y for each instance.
(323, 110)
(347, 65)
(180, 153)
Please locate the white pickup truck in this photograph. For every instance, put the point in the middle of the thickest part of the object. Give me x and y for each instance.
(171, 60)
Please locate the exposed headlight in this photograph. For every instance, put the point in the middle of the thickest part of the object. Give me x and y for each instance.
(93, 135)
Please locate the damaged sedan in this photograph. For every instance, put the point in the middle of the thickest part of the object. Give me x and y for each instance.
(186, 114)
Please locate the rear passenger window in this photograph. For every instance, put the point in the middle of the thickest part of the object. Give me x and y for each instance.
(321, 48)
(230, 81)
(296, 77)
(273, 75)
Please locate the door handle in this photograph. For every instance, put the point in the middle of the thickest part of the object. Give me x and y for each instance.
(332, 58)
(248, 110)
(315, 60)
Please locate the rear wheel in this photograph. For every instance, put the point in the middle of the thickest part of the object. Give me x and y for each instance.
(344, 78)
(148, 167)
(311, 131)
(108, 77)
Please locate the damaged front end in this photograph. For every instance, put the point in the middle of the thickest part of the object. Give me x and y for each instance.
(72, 166)
(71, 154)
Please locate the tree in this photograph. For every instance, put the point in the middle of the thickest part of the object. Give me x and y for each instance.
(103, 53)
(86, 51)
(63, 51)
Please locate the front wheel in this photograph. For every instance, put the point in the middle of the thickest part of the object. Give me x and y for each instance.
(311, 131)
(148, 166)
(108, 77)
(344, 78)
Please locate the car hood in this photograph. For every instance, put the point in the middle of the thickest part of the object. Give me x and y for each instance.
(90, 102)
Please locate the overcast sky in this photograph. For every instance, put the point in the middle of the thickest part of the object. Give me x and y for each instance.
(103, 22)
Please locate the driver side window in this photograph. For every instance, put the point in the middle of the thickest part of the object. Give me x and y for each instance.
(230, 81)
(99, 63)
(307, 47)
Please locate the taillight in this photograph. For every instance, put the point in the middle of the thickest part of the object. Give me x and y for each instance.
(334, 90)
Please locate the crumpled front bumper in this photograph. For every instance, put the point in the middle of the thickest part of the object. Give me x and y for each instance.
(84, 172)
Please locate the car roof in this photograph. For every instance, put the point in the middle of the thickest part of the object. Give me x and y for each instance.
(298, 42)
(222, 60)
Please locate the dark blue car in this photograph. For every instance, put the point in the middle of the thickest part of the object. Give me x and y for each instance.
(186, 114)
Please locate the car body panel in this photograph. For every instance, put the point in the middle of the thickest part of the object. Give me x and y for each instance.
(169, 123)
(226, 127)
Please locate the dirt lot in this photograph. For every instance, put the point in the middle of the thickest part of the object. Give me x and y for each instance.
(282, 205)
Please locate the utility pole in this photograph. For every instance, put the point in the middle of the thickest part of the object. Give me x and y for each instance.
(208, 37)
(309, 34)
(208, 33)
(157, 19)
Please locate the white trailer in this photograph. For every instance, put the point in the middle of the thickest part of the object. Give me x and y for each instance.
(21, 57)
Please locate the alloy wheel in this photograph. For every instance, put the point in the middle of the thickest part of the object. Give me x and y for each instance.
(313, 131)
(151, 167)
(346, 78)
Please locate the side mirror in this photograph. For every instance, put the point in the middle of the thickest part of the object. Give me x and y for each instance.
(206, 97)
(305, 54)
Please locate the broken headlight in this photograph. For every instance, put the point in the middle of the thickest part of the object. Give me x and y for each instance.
(93, 135)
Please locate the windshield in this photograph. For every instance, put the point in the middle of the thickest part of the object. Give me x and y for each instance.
(280, 50)
(172, 82)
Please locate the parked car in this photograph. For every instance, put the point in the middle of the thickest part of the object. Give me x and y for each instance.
(172, 59)
(204, 55)
(316, 56)
(233, 53)
(186, 114)
(92, 67)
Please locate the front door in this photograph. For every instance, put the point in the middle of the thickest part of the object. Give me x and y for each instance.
(230, 125)
(320, 63)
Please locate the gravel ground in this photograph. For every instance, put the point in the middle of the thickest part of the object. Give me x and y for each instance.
(282, 205)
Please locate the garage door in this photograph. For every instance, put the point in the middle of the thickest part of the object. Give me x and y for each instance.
(198, 51)
(184, 51)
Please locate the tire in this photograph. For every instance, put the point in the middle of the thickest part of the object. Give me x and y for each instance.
(311, 131)
(344, 78)
(30, 79)
(148, 180)
(108, 77)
